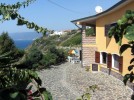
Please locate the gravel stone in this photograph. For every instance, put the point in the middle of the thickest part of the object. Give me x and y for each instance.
(69, 81)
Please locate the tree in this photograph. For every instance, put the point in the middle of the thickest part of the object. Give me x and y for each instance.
(90, 32)
(32, 58)
(9, 53)
(14, 80)
(125, 27)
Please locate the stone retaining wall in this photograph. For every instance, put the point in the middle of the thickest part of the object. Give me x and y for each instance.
(116, 75)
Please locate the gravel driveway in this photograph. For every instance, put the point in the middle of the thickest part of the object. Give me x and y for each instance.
(69, 81)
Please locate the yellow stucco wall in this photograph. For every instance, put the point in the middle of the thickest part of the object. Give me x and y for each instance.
(101, 40)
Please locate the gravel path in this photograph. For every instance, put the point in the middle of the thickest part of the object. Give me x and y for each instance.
(69, 81)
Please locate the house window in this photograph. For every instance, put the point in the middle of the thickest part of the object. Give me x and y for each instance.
(107, 28)
(103, 57)
(115, 61)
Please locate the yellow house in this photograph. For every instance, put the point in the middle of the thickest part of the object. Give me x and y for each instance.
(104, 50)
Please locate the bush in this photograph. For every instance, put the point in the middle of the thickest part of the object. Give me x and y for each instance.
(9, 53)
(32, 58)
(48, 59)
(75, 40)
(60, 53)
(6, 43)
(52, 56)
(90, 32)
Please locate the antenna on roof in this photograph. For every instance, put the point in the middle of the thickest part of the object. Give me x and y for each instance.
(98, 9)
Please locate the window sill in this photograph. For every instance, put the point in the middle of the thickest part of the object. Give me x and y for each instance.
(115, 68)
(103, 64)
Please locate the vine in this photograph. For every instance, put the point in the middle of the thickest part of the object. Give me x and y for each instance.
(10, 12)
(125, 28)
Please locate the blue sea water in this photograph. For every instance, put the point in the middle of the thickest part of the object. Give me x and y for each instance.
(23, 39)
(22, 44)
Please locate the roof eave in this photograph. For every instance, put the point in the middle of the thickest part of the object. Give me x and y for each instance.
(92, 19)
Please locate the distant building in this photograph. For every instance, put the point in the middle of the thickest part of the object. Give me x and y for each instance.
(57, 33)
(60, 32)
(67, 31)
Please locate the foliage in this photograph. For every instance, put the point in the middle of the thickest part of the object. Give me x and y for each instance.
(14, 80)
(90, 32)
(6, 43)
(125, 27)
(45, 43)
(10, 12)
(87, 95)
(48, 59)
(87, 68)
(72, 32)
(33, 57)
(9, 53)
(57, 52)
(64, 37)
(75, 40)
(53, 56)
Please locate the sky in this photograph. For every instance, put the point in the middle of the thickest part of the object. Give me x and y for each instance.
(54, 14)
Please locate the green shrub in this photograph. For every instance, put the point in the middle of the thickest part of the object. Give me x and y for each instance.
(8, 50)
(90, 32)
(48, 59)
(75, 40)
(32, 57)
(6, 43)
(52, 56)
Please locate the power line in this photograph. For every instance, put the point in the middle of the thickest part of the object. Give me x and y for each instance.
(64, 7)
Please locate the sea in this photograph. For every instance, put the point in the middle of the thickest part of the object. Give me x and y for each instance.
(23, 39)
(23, 44)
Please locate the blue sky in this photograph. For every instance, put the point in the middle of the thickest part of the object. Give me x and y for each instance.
(46, 14)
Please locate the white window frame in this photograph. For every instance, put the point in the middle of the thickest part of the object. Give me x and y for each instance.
(101, 58)
(113, 61)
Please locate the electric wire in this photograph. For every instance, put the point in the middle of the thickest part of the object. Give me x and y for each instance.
(64, 7)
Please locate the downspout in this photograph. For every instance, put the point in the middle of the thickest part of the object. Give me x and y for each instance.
(81, 31)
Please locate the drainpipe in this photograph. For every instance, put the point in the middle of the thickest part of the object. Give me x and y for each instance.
(81, 28)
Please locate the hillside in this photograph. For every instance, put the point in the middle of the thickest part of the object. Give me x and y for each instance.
(50, 50)
(72, 38)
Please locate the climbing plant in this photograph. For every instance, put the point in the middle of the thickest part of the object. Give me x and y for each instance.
(10, 12)
(125, 28)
